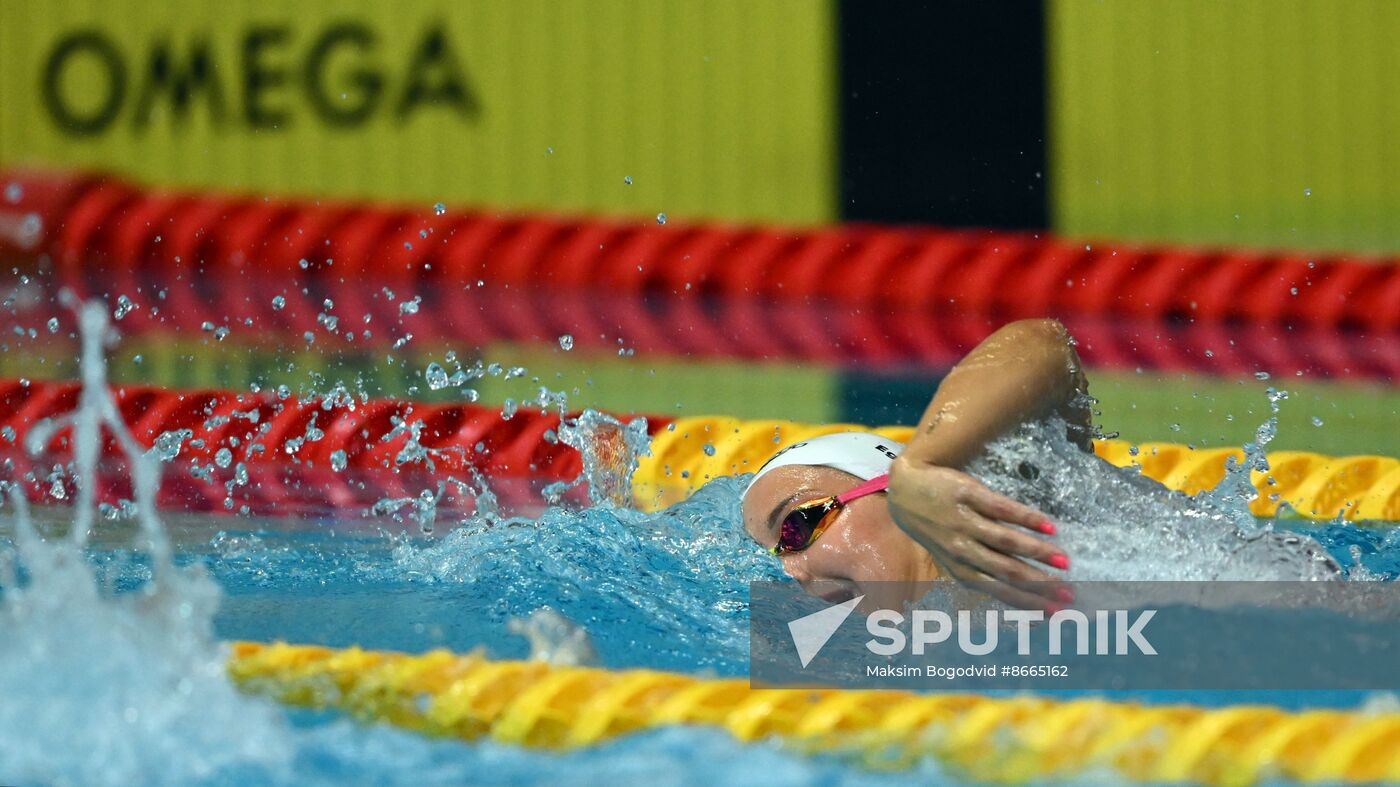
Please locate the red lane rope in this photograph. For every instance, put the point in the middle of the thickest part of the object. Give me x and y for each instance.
(276, 456)
(710, 328)
(218, 257)
(101, 223)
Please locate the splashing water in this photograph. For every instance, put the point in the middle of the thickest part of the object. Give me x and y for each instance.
(554, 638)
(676, 580)
(611, 452)
(1117, 524)
(137, 679)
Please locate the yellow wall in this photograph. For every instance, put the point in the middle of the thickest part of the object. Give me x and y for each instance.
(714, 108)
(1264, 122)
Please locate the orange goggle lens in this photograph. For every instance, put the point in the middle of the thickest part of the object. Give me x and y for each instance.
(805, 523)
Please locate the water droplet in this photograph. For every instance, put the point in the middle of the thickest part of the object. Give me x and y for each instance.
(124, 307)
(508, 409)
(29, 229)
(437, 377)
(167, 445)
(278, 302)
(1261, 375)
(709, 449)
(14, 193)
(566, 342)
(338, 461)
(53, 325)
(410, 307)
(1210, 353)
(223, 458)
(439, 208)
(1316, 421)
(661, 218)
(1307, 192)
(303, 263)
(627, 179)
(1175, 427)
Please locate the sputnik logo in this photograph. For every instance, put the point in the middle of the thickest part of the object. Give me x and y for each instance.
(811, 632)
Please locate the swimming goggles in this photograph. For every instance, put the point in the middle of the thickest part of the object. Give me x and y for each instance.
(807, 522)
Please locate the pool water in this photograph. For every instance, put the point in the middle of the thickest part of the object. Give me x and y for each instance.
(137, 677)
(127, 686)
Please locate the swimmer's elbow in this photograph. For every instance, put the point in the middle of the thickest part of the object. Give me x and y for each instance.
(1042, 329)
(1047, 351)
(1043, 338)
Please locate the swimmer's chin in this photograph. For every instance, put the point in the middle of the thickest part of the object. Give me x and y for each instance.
(874, 595)
(835, 593)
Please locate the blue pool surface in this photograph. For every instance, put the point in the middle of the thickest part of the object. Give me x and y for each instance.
(140, 677)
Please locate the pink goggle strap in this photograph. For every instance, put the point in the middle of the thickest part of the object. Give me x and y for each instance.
(877, 484)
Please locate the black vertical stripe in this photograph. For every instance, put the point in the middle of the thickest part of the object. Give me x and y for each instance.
(943, 112)
(876, 397)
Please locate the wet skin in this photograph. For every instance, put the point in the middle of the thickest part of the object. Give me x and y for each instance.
(863, 552)
(936, 520)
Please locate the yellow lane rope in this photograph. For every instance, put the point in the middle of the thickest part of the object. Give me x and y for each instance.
(996, 739)
(1359, 488)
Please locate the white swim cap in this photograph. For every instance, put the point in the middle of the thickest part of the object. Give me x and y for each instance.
(862, 454)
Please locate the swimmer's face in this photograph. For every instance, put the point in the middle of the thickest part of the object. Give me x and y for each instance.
(863, 552)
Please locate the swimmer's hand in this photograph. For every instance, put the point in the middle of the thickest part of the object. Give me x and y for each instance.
(977, 536)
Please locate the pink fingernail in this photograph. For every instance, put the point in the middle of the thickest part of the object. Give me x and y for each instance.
(1059, 561)
(1065, 594)
(1048, 528)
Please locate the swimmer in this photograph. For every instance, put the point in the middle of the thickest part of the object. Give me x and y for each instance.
(847, 510)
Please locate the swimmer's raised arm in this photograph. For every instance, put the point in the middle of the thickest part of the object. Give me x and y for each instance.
(1025, 370)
